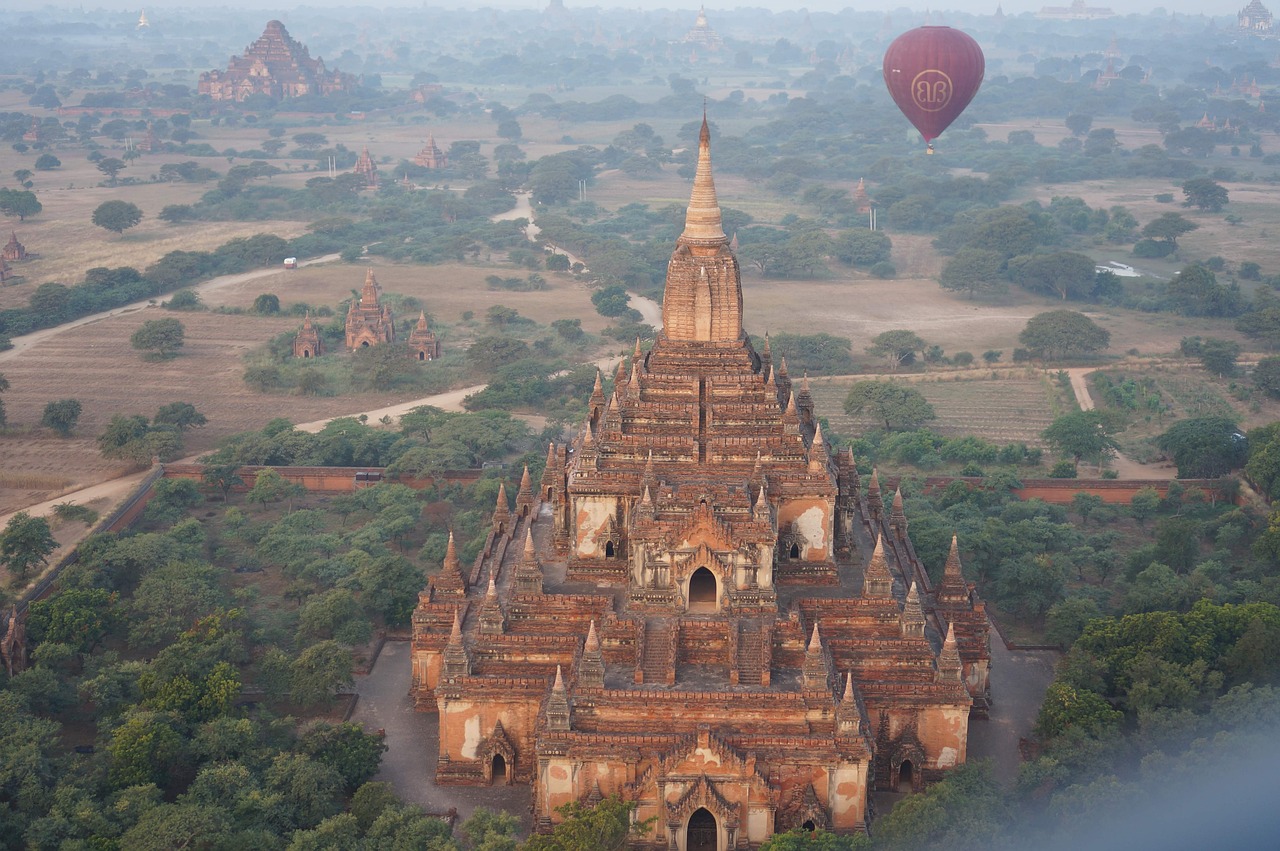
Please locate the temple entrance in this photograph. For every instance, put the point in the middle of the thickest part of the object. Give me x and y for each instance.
(609, 551)
(702, 592)
(422, 355)
(499, 774)
(905, 778)
(795, 551)
(365, 344)
(306, 353)
(701, 833)
(809, 826)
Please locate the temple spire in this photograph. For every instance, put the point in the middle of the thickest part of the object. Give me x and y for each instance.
(702, 221)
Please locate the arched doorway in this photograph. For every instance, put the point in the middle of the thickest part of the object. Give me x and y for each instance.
(609, 551)
(306, 353)
(701, 832)
(422, 355)
(809, 826)
(499, 773)
(702, 591)
(365, 344)
(795, 551)
(906, 776)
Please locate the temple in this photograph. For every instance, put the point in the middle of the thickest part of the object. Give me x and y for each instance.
(369, 322)
(367, 170)
(307, 343)
(276, 66)
(1254, 18)
(423, 344)
(13, 250)
(699, 606)
(702, 33)
(431, 156)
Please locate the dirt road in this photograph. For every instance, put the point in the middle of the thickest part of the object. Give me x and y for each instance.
(26, 341)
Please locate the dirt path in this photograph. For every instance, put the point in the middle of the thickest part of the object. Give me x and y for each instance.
(1125, 467)
(450, 400)
(26, 341)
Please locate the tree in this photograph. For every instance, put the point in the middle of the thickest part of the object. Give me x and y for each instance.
(1195, 291)
(1168, 228)
(61, 416)
(1144, 504)
(47, 162)
(973, 270)
(1204, 447)
(320, 670)
(862, 247)
(117, 216)
(1219, 356)
(310, 141)
(180, 415)
(604, 827)
(1065, 274)
(1204, 193)
(1059, 334)
(267, 304)
(898, 407)
(348, 749)
(25, 543)
(270, 486)
(160, 338)
(223, 477)
(897, 347)
(176, 213)
(1266, 376)
(800, 839)
(4, 385)
(77, 617)
(20, 203)
(111, 167)
(1079, 123)
(1081, 434)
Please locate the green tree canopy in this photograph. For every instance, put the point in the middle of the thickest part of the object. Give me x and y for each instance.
(159, 338)
(1204, 193)
(117, 216)
(897, 347)
(26, 542)
(1081, 434)
(1204, 447)
(897, 406)
(973, 270)
(1059, 334)
(61, 416)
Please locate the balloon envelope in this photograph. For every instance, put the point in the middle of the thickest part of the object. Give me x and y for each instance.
(932, 74)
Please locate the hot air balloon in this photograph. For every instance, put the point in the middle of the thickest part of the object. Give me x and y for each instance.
(932, 74)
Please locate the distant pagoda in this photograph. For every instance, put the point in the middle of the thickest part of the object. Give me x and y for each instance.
(276, 66)
(369, 322)
(367, 170)
(423, 344)
(308, 343)
(431, 156)
(701, 33)
(13, 250)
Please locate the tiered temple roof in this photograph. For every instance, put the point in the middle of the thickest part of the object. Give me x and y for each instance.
(369, 322)
(367, 169)
(276, 66)
(699, 608)
(431, 156)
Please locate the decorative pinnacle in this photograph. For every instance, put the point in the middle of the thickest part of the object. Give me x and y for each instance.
(492, 592)
(593, 640)
(815, 640)
(422, 320)
(501, 503)
(455, 634)
(451, 552)
(782, 366)
(952, 568)
(637, 354)
(848, 688)
(558, 685)
(528, 545)
(599, 388)
(702, 219)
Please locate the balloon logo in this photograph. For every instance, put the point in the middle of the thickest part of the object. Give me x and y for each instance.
(932, 73)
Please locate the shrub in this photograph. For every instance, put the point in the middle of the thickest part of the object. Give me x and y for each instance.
(884, 270)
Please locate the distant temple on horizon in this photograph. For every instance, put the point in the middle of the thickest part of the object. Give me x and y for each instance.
(276, 66)
(701, 32)
(369, 322)
(1255, 18)
(1077, 11)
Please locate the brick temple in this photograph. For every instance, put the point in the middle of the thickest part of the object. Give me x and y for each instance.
(369, 321)
(367, 169)
(699, 607)
(276, 66)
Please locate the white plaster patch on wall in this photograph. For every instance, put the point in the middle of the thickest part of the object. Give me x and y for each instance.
(471, 737)
(593, 514)
(810, 524)
(947, 759)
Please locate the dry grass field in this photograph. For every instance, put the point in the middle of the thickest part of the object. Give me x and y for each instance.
(1016, 408)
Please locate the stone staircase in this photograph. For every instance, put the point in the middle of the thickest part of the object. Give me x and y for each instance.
(750, 661)
(657, 665)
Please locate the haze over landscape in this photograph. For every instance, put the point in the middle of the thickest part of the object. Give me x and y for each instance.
(540, 426)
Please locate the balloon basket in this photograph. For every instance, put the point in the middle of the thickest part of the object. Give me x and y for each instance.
(929, 149)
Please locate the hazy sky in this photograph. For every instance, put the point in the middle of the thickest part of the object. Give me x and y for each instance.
(1215, 7)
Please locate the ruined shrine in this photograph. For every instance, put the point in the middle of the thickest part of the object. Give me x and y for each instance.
(367, 170)
(276, 66)
(697, 606)
(423, 344)
(13, 250)
(369, 321)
